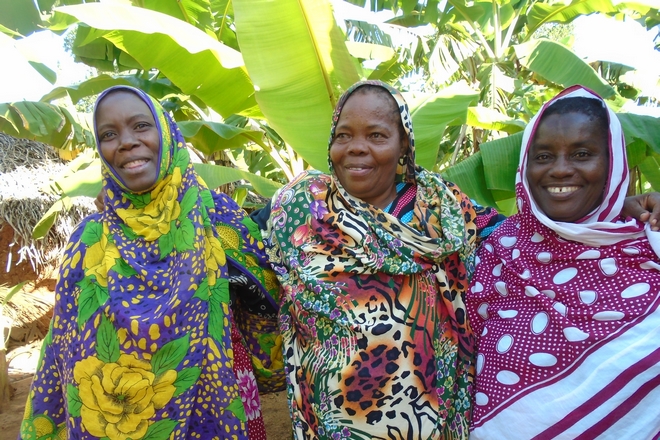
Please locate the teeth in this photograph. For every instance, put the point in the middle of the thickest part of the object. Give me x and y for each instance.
(135, 163)
(562, 189)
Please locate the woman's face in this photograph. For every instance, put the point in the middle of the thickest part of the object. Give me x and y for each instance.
(367, 146)
(568, 165)
(129, 139)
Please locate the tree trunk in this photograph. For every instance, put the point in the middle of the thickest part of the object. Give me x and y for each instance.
(6, 389)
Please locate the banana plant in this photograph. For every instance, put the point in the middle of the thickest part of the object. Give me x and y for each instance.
(282, 65)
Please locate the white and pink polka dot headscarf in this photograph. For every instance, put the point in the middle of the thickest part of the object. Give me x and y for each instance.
(567, 319)
(602, 226)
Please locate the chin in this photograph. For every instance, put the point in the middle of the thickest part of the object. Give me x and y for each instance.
(139, 187)
(565, 218)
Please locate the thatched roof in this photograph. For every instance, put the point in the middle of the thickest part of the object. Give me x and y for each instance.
(26, 167)
(27, 314)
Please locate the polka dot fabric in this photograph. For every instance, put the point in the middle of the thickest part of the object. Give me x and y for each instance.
(143, 343)
(567, 333)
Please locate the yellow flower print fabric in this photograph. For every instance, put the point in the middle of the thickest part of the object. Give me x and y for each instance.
(154, 220)
(117, 399)
(144, 343)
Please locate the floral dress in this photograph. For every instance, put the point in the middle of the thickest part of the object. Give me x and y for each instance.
(376, 344)
(146, 340)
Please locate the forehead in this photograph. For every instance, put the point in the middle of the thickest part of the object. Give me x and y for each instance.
(121, 100)
(372, 102)
(569, 128)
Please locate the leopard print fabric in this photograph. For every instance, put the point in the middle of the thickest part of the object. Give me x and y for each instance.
(376, 345)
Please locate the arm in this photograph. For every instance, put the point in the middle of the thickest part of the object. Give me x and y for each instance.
(644, 207)
(254, 291)
(46, 407)
(488, 219)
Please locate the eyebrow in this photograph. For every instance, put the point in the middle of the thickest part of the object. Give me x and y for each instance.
(369, 127)
(131, 119)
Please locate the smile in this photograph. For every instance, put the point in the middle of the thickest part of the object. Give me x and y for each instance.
(134, 164)
(562, 189)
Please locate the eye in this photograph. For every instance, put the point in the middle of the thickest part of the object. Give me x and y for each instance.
(582, 154)
(107, 135)
(142, 125)
(379, 136)
(542, 157)
(341, 136)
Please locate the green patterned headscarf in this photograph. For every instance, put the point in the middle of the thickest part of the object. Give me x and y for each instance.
(361, 285)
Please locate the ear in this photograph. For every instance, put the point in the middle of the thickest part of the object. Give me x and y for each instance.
(404, 146)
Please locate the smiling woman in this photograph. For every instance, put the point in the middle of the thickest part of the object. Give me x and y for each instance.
(129, 140)
(569, 162)
(163, 303)
(565, 300)
(374, 260)
(367, 145)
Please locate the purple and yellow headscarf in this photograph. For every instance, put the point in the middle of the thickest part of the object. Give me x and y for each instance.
(142, 341)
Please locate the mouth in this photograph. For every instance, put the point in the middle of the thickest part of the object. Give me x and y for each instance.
(562, 189)
(134, 164)
(358, 170)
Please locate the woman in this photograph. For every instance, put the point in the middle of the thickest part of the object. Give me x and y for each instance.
(565, 298)
(143, 341)
(373, 259)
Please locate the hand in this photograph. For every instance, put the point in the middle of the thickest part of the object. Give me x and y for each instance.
(644, 207)
(98, 201)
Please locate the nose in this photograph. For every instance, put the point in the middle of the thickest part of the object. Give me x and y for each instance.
(127, 140)
(357, 147)
(563, 167)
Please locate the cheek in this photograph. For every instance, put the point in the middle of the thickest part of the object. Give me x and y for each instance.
(335, 154)
(108, 151)
(602, 172)
(153, 141)
(534, 174)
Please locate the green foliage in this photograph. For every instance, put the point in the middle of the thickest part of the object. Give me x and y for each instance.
(479, 70)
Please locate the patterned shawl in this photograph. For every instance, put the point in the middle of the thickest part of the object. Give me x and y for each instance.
(375, 339)
(567, 343)
(141, 342)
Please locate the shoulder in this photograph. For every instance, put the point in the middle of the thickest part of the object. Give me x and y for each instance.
(437, 185)
(226, 209)
(304, 179)
(223, 202)
(71, 269)
(508, 227)
(79, 229)
(312, 181)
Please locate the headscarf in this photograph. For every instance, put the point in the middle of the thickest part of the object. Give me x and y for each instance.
(332, 251)
(143, 310)
(554, 303)
(405, 171)
(602, 226)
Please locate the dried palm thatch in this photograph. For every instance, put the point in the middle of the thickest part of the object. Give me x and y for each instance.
(27, 315)
(25, 168)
